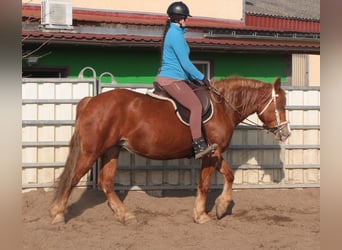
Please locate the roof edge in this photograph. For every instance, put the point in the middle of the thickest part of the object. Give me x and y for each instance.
(273, 23)
(283, 17)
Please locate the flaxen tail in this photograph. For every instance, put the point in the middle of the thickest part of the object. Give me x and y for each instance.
(65, 180)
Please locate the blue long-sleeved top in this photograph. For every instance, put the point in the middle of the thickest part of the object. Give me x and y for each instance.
(175, 61)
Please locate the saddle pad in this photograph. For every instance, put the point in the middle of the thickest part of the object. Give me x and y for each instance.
(183, 117)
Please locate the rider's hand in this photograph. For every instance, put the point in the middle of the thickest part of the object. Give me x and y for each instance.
(205, 82)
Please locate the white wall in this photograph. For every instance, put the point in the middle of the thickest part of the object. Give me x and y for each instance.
(314, 70)
(222, 9)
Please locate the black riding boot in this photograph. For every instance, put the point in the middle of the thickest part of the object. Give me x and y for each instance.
(201, 148)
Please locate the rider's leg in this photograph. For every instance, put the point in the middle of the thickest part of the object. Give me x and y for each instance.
(183, 93)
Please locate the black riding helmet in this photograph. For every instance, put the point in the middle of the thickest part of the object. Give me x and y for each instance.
(178, 8)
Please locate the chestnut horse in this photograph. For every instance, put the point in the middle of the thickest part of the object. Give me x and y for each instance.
(147, 126)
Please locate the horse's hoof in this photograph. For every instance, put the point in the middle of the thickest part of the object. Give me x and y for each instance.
(127, 218)
(221, 211)
(201, 218)
(204, 218)
(223, 208)
(58, 219)
(130, 219)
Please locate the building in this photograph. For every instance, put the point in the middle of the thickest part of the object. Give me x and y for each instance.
(258, 39)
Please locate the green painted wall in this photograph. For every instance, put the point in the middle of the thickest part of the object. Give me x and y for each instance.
(257, 66)
(127, 65)
(132, 65)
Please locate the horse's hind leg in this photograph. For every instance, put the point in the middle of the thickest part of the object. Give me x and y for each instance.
(57, 210)
(77, 165)
(222, 202)
(106, 182)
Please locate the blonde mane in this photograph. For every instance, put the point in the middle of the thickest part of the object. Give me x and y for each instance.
(240, 92)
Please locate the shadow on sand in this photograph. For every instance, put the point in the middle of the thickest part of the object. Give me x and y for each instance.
(93, 197)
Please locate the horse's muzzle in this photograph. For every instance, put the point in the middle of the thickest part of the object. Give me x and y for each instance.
(283, 132)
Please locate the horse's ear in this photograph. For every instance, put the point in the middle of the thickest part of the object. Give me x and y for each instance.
(277, 84)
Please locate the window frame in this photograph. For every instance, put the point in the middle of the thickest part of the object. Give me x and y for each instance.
(207, 64)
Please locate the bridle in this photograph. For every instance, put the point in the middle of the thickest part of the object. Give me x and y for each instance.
(277, 129)
(280, 125)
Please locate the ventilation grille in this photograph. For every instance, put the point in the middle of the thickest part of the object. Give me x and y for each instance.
(57, 14)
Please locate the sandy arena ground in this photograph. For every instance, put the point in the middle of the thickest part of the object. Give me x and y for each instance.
(260, 219)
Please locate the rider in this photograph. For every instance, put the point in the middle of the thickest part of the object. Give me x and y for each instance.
(177, 69)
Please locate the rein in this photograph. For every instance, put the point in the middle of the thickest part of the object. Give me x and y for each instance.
(250, 123)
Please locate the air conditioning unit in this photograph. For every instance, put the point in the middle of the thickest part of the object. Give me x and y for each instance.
(56, 14)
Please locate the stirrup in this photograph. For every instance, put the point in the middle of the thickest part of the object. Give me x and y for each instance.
(209, 149)
(201, 148)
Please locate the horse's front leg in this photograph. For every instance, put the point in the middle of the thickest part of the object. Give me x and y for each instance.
(222, 202)
(200, 214)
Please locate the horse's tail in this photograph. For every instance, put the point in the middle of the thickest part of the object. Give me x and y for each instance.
(65, 180)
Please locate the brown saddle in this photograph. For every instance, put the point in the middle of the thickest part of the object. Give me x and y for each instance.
(201, 92)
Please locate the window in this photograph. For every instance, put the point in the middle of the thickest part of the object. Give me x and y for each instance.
(204, 67)
(45, 72)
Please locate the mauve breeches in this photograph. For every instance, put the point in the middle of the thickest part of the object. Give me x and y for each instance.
(181, 91)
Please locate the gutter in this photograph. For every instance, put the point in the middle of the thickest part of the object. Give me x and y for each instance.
(273, 36)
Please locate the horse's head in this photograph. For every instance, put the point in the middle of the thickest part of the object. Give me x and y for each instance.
(273, 113)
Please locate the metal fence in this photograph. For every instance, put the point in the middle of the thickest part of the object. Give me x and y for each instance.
(48, 112)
